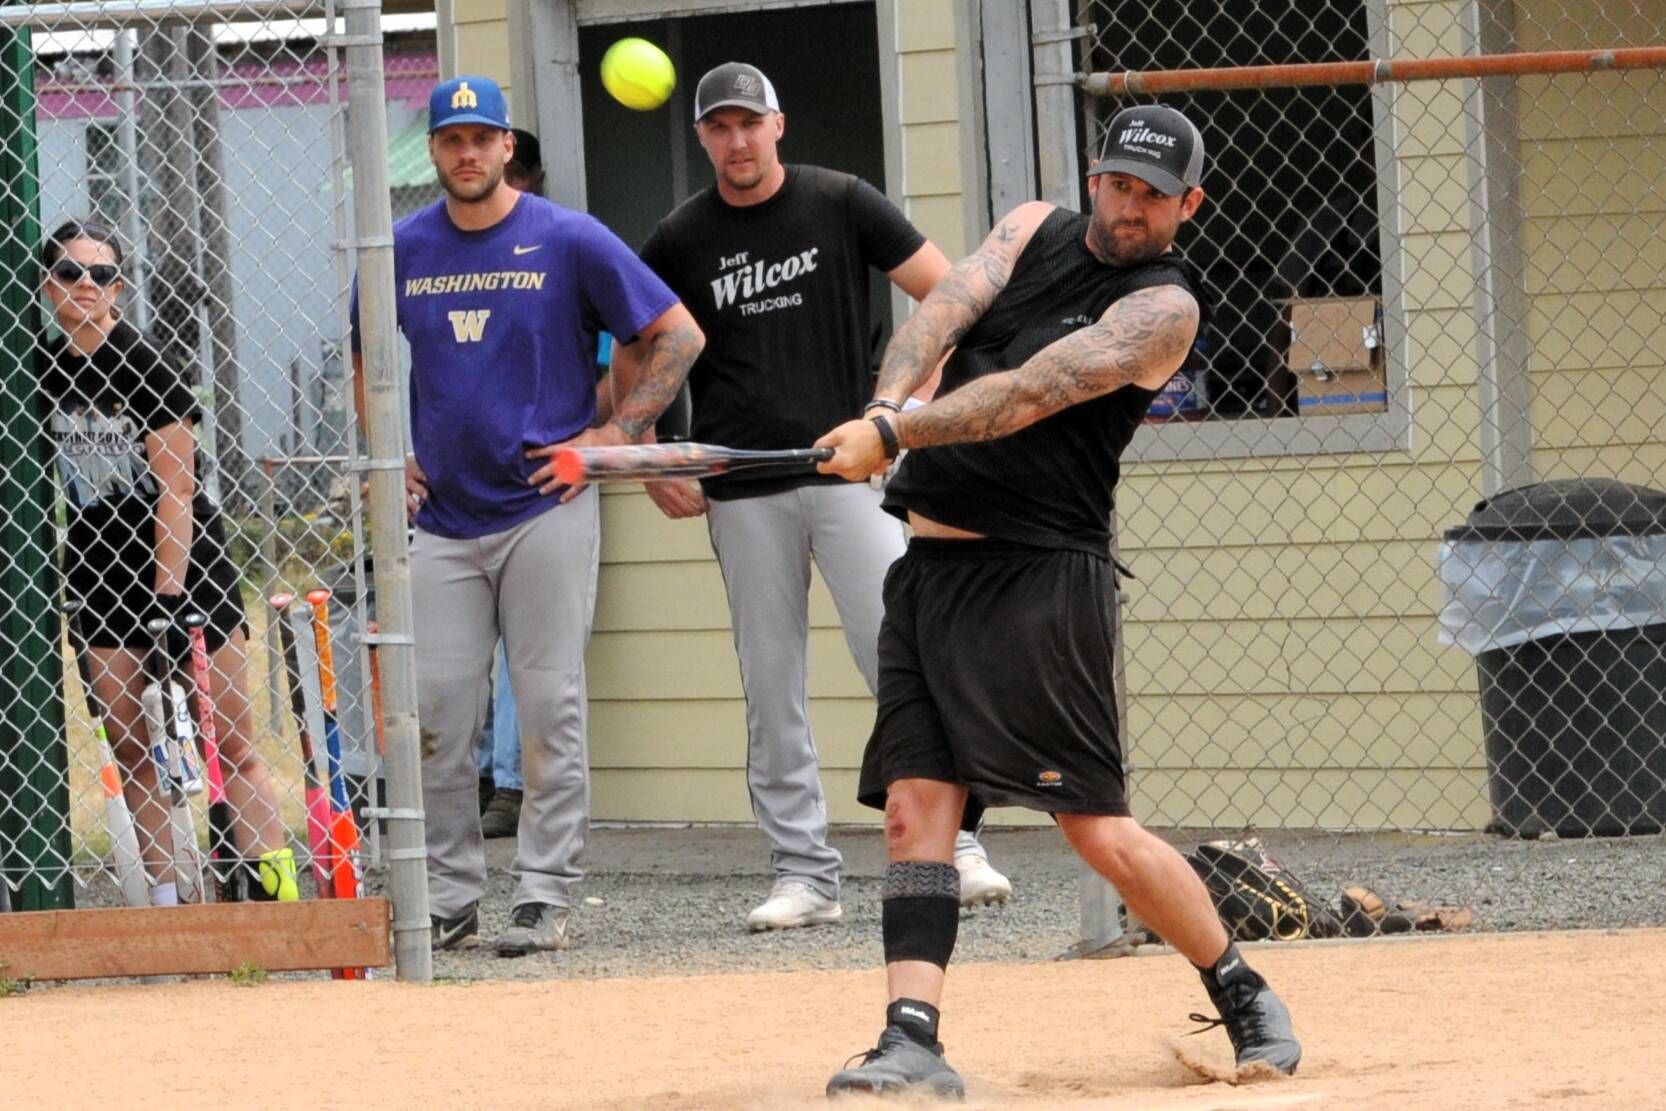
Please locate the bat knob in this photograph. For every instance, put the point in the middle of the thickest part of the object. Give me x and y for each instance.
(569, 466)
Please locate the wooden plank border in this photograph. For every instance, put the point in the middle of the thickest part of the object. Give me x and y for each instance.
(211, 938)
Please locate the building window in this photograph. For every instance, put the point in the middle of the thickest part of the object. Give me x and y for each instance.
(1297, 356)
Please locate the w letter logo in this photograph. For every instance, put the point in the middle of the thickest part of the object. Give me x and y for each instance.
(470, 325)
(464, 97)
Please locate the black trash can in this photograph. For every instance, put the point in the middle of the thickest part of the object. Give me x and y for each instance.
(1559, 589)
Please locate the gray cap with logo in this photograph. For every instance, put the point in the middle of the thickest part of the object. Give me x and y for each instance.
(1158, 145)
(734, 85)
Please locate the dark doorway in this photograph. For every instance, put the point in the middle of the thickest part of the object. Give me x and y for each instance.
(824, 63)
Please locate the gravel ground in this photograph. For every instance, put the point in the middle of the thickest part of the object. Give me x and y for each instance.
(674, 900)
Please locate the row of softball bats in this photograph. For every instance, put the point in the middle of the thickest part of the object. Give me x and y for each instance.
(172, 734)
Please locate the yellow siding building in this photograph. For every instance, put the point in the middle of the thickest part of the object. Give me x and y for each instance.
(1282, 661)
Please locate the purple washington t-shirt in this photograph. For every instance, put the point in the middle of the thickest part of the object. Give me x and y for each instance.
(502, 325)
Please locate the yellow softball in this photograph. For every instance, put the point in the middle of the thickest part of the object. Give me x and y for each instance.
(638, 74)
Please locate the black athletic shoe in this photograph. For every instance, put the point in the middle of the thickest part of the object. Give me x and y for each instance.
(503, 814)
(899, 1064)
(1255, 1019)
(461, 932)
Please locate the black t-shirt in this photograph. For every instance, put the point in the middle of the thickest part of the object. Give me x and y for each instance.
(1052, 483)
(781, 291)
(99, 408)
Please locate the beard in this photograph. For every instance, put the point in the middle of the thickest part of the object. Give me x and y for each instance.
(744, 177)
(1125, 250)
(491, 178)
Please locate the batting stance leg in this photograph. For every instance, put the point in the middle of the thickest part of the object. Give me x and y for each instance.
(854, 542)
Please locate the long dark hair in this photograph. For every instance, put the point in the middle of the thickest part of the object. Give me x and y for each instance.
(53, 248)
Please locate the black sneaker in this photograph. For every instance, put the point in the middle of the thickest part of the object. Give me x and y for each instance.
(461, 932)
(899, 1064)
(503, 814)
(1255, 1019)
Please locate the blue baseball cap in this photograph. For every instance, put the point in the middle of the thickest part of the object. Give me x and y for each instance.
(467, 100)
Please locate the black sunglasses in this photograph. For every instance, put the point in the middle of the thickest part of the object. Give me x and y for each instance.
(68, 271)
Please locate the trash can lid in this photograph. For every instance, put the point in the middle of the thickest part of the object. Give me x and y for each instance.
(1566, 509)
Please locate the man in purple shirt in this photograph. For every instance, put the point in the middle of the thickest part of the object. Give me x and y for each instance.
(501, 295)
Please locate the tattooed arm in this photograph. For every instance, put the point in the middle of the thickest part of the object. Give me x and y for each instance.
(646, 375)
(955, 303)
(652, 370)
(1141, 340)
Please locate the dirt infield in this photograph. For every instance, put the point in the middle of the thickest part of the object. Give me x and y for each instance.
(1515, 1021)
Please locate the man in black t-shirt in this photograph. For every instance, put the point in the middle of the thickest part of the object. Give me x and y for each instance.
(773, 262)
(996, 649)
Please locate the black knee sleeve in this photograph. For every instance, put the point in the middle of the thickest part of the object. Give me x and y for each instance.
(921, 911)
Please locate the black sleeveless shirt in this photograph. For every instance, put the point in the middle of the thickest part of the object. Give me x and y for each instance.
(1050, 484)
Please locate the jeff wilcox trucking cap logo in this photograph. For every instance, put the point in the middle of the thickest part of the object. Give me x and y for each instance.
(1158, 145)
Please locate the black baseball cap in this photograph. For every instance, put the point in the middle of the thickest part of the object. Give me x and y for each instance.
(734, 85)
(1158, 145)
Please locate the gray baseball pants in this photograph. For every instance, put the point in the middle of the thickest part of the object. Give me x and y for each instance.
(764, 546)
(535, 585)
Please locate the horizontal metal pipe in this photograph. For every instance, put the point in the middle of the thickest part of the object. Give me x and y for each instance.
(1375, 72)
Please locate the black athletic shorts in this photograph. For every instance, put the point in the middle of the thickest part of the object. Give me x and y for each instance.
(113, 572)
(995, 672)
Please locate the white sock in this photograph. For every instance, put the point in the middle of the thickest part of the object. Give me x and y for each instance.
(165, 895)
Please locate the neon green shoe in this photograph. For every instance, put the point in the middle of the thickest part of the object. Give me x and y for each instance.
(277, 875)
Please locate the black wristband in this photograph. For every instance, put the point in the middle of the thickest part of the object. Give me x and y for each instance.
(881, 403)
(887, 436)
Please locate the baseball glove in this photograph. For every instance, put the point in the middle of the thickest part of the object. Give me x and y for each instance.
(1256, 898)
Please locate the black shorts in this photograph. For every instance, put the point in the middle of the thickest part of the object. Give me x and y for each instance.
(113, 573)
(995, 672)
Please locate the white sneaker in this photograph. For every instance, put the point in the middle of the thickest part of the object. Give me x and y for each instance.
(793, 903)
(981, 884)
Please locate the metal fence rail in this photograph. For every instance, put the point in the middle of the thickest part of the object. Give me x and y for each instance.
(1434, 280)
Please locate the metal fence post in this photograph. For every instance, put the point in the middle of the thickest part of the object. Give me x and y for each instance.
(373, 223)
(34, 793)
(1055, 103)
(1054, 64)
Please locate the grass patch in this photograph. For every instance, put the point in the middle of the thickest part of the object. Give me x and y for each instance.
(9, 986)
(249, 975)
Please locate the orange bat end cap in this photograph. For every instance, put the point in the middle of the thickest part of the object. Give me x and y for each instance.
(316, 597)
(569, 466)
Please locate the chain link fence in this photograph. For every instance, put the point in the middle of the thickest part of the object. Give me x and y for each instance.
(1425, 293)
(198, 152)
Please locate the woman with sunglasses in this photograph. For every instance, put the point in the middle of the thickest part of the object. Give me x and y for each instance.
(144, 541)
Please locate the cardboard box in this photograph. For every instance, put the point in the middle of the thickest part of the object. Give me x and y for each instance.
(1336, 354)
